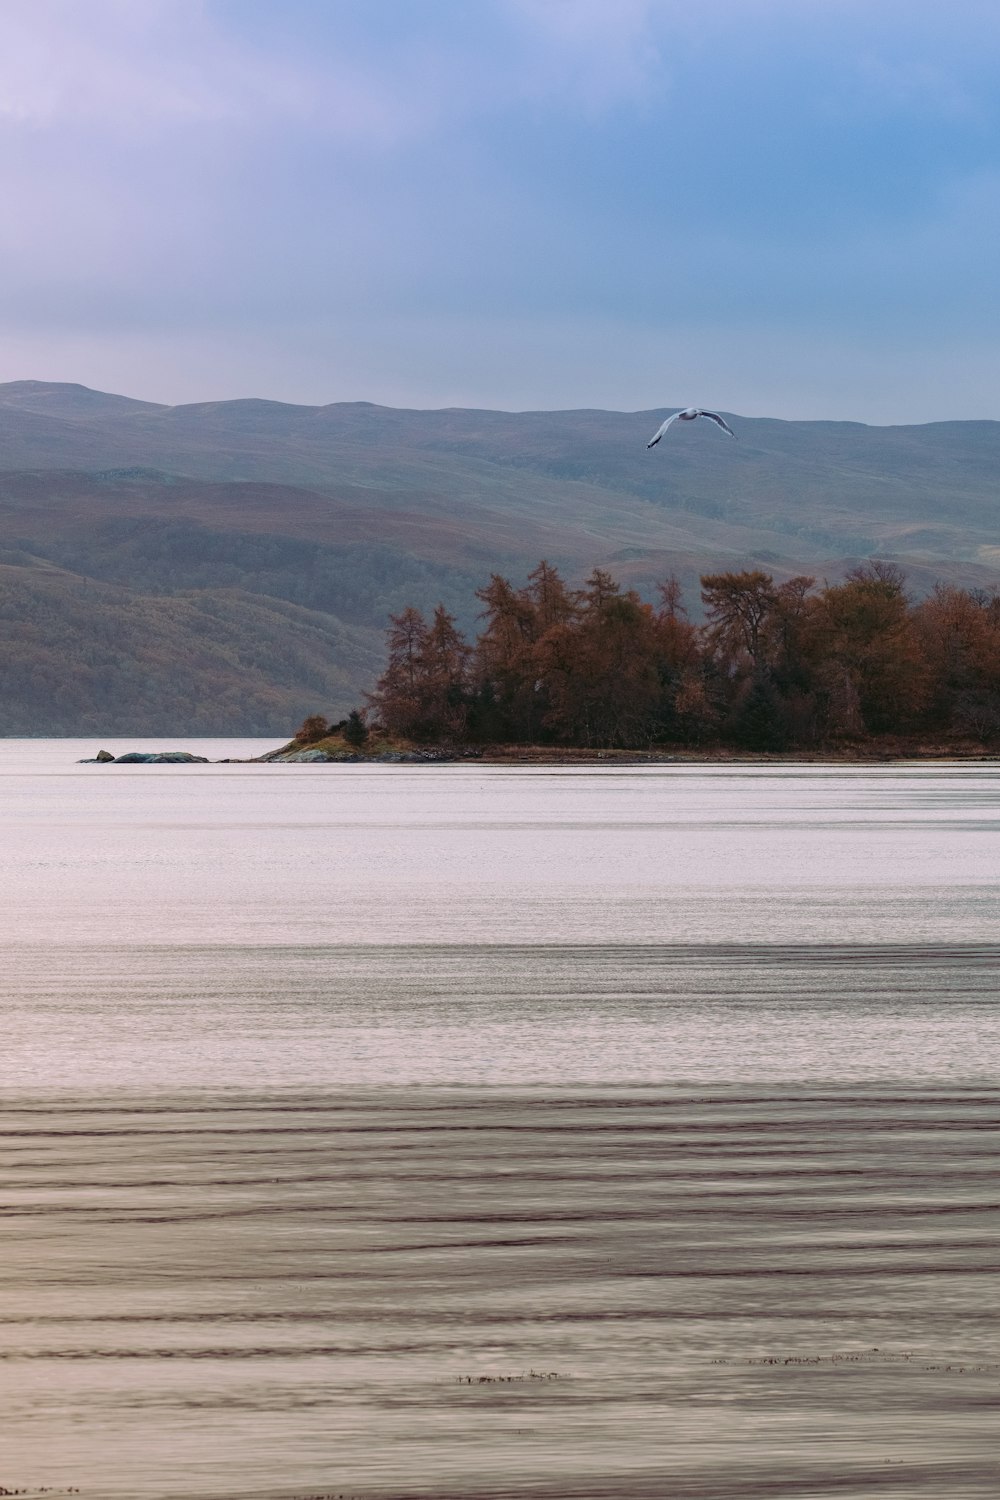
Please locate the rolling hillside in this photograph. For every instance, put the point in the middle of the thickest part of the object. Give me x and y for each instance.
(304, 526)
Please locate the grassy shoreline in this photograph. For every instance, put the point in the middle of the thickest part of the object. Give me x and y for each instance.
(890, 749)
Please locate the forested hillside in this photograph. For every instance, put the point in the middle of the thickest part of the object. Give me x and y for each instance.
(314, 523)
(83, 657)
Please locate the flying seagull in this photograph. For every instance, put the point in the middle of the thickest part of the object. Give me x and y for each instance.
(688, 415)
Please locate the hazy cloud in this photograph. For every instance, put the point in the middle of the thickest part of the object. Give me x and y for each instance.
(125, 65)
(589, 52)
(528, 202)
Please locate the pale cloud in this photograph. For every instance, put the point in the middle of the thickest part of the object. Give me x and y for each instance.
(149, 65)
(784, 206)
(106, 60)
(588, 51)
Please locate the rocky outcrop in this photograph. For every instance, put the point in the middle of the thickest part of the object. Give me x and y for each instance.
(410, 757)
(311, 757)
(306, 755)
(146, 758)
(349, 758)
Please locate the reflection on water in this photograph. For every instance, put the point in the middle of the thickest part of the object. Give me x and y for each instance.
(458, 1132)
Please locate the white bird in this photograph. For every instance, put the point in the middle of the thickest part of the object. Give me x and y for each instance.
(688, 415)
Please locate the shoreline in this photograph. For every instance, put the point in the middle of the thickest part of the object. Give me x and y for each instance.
(547, 755)
(332, 750)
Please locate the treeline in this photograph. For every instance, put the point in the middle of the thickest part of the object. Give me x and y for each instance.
(775, 666)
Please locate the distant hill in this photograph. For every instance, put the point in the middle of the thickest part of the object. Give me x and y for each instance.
(346, 511)
(81, 657)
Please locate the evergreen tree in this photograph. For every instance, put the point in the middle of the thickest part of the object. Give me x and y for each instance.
(355, 730)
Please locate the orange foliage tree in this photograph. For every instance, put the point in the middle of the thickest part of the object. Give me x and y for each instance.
(775, 664)
(423, 692)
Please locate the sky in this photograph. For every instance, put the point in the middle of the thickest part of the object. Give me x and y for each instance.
(783, 208)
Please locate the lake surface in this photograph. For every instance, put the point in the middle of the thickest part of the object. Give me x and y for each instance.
(466, 1131)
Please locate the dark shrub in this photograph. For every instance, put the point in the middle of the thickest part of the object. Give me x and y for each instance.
(355, 730)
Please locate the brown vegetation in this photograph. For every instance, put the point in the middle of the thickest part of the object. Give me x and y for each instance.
(776, 666)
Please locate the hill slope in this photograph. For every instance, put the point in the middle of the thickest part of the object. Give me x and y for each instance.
(79, 657)
(344, 512)
(816, 488)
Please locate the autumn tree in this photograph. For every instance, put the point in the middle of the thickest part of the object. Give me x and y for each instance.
(444, 668)
(503, 669)
(740, 610)
(737, 608)
(552, 603)
(599, 673)
(423, 692)
(397, 701)
(959, 634)
(684, 711)
(870, 652)
(314, 728)
(790, 631)
(677, 637)
(511, 700)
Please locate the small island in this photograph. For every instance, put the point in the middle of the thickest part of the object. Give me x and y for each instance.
(853, 670)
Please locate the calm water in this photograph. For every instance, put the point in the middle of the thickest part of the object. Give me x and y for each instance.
(466, 1131)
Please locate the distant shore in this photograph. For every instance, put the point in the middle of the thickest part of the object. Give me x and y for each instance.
(333, 750)
(336, 752)
(545, 755)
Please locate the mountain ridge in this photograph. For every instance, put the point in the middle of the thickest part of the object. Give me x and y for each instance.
(352, 509)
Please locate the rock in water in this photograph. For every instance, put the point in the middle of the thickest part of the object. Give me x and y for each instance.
(161, 758)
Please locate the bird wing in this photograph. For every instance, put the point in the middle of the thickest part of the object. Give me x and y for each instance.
(714, 417)
(661, 430)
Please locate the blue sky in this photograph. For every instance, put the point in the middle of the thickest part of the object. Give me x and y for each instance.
(775, 207)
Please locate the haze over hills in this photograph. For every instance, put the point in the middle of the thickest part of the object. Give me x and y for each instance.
(303, 526)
